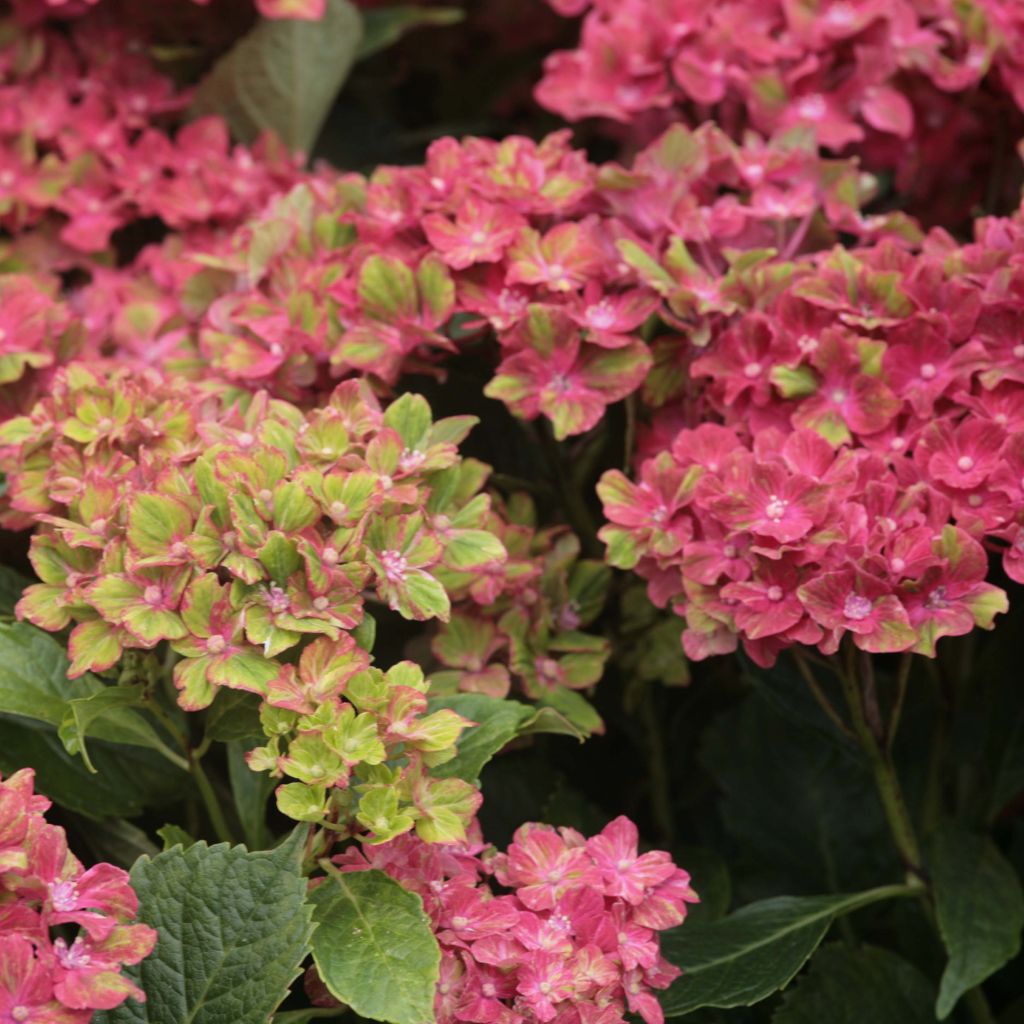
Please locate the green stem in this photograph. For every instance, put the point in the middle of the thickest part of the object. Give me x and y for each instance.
(804, 667)
(860, 692)
(210, 801)
(906, 660)
(977, 1005)
(884, 772)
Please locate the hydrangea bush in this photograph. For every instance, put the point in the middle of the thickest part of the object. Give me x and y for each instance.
(345, 498)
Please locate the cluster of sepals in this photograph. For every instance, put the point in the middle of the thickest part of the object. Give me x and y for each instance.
(570, 937)
(65, 932)
(527, 241)
(869, 455)
(911, 85)
(240, 532)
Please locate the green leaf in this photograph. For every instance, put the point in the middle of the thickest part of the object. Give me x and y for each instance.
(847, 985)
(127, 779)
(800, 809)
(575, 708)
(109, 711)
(745, 957)
(34, 684)
(233, 715)
(980, 909)
(283, 76)
(498, 723)
(374, 947)
(233, 927)
(384, 26)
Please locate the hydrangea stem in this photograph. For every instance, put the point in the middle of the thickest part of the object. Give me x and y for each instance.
(859, 693)
(210, 801)
(875, 740)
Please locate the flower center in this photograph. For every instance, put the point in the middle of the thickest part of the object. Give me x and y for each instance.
(152, 594)
(560, 384)
(1018, 351)
(331, 556)
(478, 237)
(601, 315)
(774, 593)
(965, 463)
(277, 599)
(216, 644)
(856, 607)
(411, 459)
(776, 507)
(321, 604)
(245, 440)
(339, 510)
(928, 370)
(19, 1013)
(63, 896)
(937, 599)
(812, 107)
(838, 396)
(395, 566)
(752, 370)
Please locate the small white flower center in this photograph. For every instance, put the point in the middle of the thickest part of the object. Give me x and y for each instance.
(856, 607)
(776, 507)
(395, 566)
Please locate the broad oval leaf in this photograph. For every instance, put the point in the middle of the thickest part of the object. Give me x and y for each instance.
(847, 985)
(283, 76)
(980, 910)
(745, 957)
(233, 927)
(374, 947)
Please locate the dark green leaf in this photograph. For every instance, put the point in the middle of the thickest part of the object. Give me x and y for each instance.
(127, 779)
(374, 947)
(233, 715)
(498, 722)
(745, 957)
(11, 586)
(283, 76)
(847, 985)
(801, 811)
(980, 908)
(384, 26)
(109, 712)
(233, 927)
